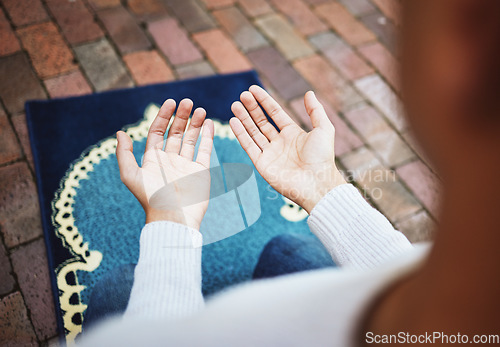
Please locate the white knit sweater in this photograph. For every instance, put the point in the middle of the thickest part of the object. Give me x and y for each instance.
(314, 308)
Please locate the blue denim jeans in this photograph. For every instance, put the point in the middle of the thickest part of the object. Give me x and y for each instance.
(284, 254)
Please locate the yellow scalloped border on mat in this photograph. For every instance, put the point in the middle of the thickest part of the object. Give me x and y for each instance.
(63, 220)
(85, 259)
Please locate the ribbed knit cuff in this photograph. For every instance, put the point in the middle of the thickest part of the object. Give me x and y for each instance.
(167, 281)
(354, 233)
(157, 237)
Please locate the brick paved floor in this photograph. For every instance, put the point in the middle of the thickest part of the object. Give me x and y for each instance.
(345, 50)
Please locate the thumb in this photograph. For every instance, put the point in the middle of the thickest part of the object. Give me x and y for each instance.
(316, 111)
(125, 156)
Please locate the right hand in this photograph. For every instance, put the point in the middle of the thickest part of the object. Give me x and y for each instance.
(299, 165)
(179, 183)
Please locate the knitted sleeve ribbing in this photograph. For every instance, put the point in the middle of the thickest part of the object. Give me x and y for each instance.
(167, 279)
(354, 233)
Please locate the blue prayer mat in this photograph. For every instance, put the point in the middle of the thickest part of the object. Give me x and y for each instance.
(92, 222)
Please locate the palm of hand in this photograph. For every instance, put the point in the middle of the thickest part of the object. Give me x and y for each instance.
(300, 165)
(171, 185)
(171, 181)
(291, 160)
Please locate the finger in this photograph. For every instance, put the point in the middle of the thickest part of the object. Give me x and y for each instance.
(191, 135)
(273, 109)
(244, 139)
(160, 124)
(258, 115)
(206, 143)
(241, 113)
(176, 131)
(316, 111)
(126, 160)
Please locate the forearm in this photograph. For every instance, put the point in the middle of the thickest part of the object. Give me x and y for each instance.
(167, 281)
(353, 232)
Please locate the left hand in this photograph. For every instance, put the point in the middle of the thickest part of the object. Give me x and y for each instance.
(300, 165)
(179, 186)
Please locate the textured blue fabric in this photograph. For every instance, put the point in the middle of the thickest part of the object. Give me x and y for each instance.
(290, 253)
(283, 254)
(110, 295)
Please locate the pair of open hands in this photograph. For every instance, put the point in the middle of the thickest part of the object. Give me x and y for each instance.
(299, 165)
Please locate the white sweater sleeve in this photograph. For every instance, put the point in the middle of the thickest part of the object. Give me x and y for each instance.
(354, 233)
(167, 279)
(314, 308)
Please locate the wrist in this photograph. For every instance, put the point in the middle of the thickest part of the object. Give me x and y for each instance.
(176, 216)
(321, 188)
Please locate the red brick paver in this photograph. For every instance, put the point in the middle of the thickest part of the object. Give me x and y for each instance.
(222, 52)
(148, 67)
(380, 136)
(374, 88)
(76, 21)
(240, 28)
(191, 14)
(124, 30)
(423, 183)
(19, 210)
(48, 51)
(8, 282)
(213, 4)
(32, 269)
(390, 8)
(148, 9)
(300, 15)
(25, 12)
(353, 31)
(255, 8)
(198, 69)
(378, 55)
(315, 2)
(341, 55)
(19, 82)
(287, 82)
(71, 84)
(177, 46)
(284, 36)
(102, 65)
(15, 325)
(99, 4)
(327, 82)
(21, 128)
(10, 44)
(383, 28)
(9, 147)
(381, 184)
(358, 7)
